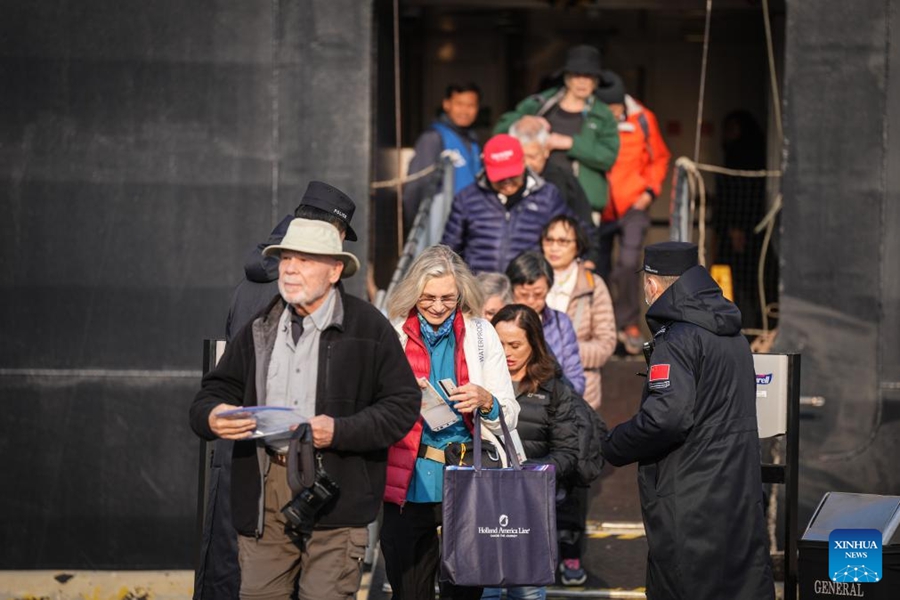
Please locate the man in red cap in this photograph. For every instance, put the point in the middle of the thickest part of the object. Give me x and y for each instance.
(503, 212)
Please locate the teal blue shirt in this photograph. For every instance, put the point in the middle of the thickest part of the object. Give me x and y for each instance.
(427, 483)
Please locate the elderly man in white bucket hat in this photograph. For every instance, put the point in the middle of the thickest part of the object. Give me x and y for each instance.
(334, 360)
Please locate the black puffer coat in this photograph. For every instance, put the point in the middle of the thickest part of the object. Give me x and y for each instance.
(546, 426)
(696, 439)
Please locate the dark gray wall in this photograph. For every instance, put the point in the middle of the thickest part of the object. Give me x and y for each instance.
(144, 146)
(840, 304)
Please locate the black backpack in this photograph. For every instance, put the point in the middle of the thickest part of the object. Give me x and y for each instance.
(591, 429)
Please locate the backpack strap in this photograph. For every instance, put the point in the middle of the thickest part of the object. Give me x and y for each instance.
(645, 127)
(579, 310)
(548, 103)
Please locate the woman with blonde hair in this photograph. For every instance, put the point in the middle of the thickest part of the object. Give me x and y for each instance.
(435, 311)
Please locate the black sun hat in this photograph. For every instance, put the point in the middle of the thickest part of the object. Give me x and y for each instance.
(583, 60)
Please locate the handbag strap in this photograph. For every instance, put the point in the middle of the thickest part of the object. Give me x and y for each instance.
(507, 439)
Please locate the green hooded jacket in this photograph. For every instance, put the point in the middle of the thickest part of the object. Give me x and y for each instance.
(594, 150)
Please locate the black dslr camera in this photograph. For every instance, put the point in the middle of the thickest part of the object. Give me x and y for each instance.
(304, 510)
(313, 488)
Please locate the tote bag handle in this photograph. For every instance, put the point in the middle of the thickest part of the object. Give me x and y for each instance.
(507, 439)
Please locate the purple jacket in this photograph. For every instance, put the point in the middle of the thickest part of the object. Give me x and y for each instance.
(487, 235)
(562, 341)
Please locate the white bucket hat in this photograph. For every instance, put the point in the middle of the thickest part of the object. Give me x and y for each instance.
(315, 237)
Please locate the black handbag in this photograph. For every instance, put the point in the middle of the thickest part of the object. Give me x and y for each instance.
(462, 454)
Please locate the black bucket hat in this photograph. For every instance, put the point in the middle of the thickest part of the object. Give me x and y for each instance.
(584, 60)
(611, 89)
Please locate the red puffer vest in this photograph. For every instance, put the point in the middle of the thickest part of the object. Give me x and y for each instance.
(402, 455)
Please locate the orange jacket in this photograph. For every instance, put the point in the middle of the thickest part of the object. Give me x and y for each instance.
(642, 162)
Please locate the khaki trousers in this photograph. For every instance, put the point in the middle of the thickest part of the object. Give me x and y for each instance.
(273, 566)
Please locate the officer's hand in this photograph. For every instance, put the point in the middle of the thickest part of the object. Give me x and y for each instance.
(235, 427)
(323, 430)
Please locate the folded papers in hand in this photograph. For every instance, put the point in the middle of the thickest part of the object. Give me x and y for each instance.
(271, 421)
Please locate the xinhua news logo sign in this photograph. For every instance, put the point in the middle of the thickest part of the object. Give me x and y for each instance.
(854, 555)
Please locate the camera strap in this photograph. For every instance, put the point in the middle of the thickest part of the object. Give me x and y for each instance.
(301, 466)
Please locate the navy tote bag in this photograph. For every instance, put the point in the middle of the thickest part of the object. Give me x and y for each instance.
(499, 524)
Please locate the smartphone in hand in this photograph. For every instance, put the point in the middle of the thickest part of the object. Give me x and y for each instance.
(448, 386)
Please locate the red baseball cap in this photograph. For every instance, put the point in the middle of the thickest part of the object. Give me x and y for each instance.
(503, 158)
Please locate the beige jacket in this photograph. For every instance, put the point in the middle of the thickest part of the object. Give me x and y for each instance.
(591, 312)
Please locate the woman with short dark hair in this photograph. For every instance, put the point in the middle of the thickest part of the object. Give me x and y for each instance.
(531, 277)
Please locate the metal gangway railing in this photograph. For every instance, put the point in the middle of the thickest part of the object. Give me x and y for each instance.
(427, 227)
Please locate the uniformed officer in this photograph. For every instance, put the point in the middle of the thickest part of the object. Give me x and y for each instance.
(695, 438)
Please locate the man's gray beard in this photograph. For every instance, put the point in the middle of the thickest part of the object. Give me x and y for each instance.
(305, 297)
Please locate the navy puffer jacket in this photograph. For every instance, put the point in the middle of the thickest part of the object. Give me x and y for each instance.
(487, 235)
(563, 343)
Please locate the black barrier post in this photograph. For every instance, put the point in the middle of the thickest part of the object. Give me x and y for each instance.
(210, 357)
(791, 485)
(787, 474)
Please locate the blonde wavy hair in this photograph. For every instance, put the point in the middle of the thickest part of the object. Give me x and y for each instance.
(435, 261)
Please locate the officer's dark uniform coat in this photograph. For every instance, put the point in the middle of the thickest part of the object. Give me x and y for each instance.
(695, 437)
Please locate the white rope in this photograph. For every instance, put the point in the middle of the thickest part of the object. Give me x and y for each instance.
(389, 183)
(697, 191)
(702, 81)
(768, 222)
(736, 172)
(693, 168)
(776, 102)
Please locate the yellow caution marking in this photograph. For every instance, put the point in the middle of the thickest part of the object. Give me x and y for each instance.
(619, 531)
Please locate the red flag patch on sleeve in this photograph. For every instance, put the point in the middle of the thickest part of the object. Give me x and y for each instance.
(659, 373)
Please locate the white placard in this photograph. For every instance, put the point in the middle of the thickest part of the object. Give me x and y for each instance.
(771, 393)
